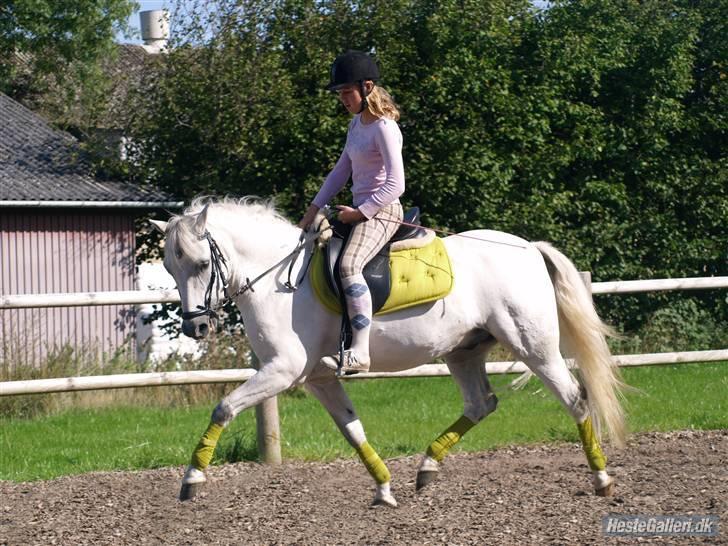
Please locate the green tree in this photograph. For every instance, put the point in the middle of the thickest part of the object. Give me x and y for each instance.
(57, 46)
(599, 125)
(644, 175)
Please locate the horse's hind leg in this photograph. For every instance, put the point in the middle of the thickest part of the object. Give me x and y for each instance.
(333, 397)
(534, 338)
(468, 370)
(554, 373)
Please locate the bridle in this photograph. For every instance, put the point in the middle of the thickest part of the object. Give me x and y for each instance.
(219, 278)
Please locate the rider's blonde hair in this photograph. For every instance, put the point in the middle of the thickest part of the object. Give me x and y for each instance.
(381, 104)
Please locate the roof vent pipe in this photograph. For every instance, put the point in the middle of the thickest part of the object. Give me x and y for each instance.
(155, 29)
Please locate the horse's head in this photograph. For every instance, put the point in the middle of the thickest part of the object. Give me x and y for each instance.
(192, 257)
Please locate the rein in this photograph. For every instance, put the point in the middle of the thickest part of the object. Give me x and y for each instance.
(218, 277)
(334, 213)
(445, 232)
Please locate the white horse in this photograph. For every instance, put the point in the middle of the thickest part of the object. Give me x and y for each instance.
(527, 296)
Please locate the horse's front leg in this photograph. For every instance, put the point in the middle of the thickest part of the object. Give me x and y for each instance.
(272, 379)
(333, 397)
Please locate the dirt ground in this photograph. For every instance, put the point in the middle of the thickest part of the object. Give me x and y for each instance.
(519, 495)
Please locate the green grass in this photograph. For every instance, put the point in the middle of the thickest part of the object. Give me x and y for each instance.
(401, 416)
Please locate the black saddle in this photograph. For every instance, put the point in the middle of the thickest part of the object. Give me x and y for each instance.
(376, 272)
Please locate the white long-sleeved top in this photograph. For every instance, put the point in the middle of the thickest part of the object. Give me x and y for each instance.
(372, 157)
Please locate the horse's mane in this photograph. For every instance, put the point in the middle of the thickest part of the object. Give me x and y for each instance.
(250, 211)
(254, 206)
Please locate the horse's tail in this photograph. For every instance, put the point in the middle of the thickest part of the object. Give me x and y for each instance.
(583, 335)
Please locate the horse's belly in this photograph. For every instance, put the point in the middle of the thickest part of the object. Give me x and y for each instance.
(417, 335)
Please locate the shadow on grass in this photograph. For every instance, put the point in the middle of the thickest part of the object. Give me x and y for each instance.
(240, 447)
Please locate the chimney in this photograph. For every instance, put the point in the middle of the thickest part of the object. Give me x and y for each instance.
(155, 29)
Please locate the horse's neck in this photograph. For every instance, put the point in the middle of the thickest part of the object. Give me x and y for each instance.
(257, 245)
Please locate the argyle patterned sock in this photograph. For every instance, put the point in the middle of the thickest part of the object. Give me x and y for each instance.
(359, 307)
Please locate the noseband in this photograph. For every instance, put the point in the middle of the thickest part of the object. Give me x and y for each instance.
(218, 278)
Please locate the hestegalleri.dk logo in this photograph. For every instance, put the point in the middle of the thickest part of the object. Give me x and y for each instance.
(630, 525)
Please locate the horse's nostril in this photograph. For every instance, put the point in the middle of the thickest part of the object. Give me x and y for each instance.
(202, 329)
(188, 329)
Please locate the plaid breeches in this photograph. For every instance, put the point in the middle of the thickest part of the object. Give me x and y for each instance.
(368, 237)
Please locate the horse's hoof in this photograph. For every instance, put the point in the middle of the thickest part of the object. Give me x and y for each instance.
(606, 491)
(386, 500)
(190, 490)
(425, 477)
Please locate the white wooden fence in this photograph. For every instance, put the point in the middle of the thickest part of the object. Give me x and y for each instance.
(267, 413)
(172, 296)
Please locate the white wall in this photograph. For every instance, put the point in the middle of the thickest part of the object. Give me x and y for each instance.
(153, 342)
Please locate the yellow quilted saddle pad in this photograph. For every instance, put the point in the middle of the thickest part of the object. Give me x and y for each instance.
(418, 275)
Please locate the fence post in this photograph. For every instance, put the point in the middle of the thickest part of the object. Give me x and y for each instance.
(586, 278)
(268, 430)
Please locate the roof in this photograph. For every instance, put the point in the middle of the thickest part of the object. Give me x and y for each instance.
(41, 166)
(125, 71)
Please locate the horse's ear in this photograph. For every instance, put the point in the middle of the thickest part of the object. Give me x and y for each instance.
(160, 225)
(201, 222)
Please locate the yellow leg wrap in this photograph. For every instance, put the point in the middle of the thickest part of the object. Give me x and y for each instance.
(206, 447)
(439, 448)
(374, 463)
(597, 460)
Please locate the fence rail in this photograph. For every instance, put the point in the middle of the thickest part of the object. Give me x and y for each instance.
(656, 285)
(122, 297)
(137, 297)
(198, 377)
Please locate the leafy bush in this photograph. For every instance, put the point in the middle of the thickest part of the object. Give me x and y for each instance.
(684, 325)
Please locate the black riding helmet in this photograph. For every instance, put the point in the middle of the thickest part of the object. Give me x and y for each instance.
(353, 67)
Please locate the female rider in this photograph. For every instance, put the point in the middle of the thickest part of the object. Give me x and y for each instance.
(372, 156)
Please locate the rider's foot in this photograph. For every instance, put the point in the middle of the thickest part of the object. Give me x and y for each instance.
(353, 363)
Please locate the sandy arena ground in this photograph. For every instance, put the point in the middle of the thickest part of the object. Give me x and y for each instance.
(519, 495)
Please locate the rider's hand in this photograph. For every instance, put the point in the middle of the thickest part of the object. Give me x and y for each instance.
(349, 215)
(309, 217)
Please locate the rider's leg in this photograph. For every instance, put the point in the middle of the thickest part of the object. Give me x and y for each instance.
(366, 239)
(359, 308)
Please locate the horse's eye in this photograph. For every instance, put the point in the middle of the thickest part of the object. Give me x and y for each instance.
(204, 265)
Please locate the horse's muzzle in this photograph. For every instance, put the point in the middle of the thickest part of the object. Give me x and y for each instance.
(196, 328)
